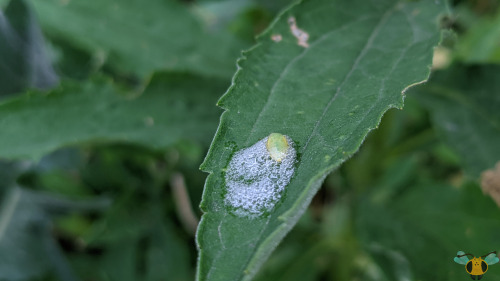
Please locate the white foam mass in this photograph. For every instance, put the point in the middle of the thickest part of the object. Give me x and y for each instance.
(255, 182)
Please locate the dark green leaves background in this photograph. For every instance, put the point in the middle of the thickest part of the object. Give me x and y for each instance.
(105, 105)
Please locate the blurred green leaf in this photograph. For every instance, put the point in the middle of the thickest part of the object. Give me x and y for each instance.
(463, 102)
(119, 261)
(422, 226)
(139, 37)
(173, 107)
(22, 255)
(274, 6)
(167, 255)
(218, 14)
(326, 93)
(23, 63)
(136, 235)
(481, 42)
(9, 171)
(27, 248)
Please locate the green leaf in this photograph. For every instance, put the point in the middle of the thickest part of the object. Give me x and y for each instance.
(463, 102)
(27, 248)
(139, 37)
(481, 43)
(23, 63)
(168, 255)
(138, 241)
(119, 261)
(9, 171)
(15, 238)
(172, 108)
(399, 231)
(326, 93)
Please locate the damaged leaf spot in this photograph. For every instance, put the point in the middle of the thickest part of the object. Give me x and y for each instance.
(276, 37)
(300, 34)
(257, 175)
(490, 183)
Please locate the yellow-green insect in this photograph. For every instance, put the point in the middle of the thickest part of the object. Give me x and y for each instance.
(277, 146)
(476, 267)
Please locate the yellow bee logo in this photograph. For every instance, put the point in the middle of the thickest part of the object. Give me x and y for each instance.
(476, 267)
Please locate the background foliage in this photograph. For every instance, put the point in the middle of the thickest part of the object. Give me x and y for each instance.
(107, 110)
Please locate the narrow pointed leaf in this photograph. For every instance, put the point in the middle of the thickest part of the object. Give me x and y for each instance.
(323, 74)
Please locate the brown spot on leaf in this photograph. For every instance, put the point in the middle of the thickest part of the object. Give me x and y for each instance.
(276, 37)
(490, 183)
(300, 34)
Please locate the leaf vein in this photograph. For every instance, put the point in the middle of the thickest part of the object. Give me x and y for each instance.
(290, 64)
(363, 52)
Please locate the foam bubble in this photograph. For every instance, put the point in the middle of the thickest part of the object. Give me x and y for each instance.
(255, 181)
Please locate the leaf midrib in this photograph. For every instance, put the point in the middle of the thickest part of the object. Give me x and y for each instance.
(287, 67)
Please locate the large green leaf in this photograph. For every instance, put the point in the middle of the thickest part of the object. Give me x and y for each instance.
(326, 93)
(23, 63)
(138, 37)
(172, 108)
(464, 102)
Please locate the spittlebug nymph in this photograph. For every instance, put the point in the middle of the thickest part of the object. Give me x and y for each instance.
(277, 146)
